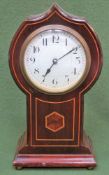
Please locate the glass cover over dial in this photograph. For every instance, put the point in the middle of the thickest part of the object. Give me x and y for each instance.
(55, 61)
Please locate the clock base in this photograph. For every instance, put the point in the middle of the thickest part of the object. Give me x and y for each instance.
(57, 160)
(29, 159)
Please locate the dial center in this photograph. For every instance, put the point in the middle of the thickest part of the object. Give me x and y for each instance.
(55, 61)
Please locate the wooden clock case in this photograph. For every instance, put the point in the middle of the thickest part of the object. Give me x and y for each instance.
(54, 135)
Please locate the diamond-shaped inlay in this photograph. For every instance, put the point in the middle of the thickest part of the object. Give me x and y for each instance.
(54, 121)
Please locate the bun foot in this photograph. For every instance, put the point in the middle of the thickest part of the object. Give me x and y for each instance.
(18, 167)
(90, 168)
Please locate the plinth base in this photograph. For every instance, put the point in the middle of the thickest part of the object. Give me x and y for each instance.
(60, 160)
(26, 157)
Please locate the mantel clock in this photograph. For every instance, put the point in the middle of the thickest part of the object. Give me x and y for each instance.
(55, 58)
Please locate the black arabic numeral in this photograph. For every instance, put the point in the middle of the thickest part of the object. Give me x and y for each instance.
(36, 70)
(55, 39)
(32, 59)
(78, 59)
(36, 49)
(45, 42)
(67, 78)
(75, 50)
(54, 82)
(66, 42)
(75, 71)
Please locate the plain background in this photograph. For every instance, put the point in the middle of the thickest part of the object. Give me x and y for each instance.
(13, 101)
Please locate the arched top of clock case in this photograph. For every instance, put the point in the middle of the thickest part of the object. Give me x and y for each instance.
(56, 15)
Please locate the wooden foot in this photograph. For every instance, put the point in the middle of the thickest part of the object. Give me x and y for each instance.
(18, 167)
(90, 168)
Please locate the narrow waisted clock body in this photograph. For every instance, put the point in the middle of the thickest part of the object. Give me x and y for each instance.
(55, 58)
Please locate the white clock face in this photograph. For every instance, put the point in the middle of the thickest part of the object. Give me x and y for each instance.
(54, 61)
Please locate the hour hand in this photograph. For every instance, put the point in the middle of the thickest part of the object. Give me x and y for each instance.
(54, 61)
(47, 72)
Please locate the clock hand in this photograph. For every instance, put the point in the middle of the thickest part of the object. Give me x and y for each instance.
(67, 53)
(55, 61)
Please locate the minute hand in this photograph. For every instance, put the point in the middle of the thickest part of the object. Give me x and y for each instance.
(67, 53)
(55, 61)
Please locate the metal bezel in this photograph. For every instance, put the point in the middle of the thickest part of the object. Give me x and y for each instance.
(59, 91)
